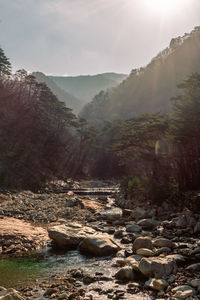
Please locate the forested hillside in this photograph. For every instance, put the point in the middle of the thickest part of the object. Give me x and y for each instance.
(85, 87)
(39, 135)
(149, 89)
(71, 101)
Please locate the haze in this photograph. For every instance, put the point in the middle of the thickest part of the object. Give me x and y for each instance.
(72, 37)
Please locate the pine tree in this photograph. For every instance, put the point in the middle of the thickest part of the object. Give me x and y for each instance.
(5, 65)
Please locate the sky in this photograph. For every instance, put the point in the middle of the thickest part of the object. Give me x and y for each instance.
(73, 37)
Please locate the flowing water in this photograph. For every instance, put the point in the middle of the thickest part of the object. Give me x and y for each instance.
(20, 272)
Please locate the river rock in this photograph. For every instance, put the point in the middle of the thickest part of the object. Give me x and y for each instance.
(194, 267)
(125, 274)
(111, 215)
(50, 291)
(180, 221)
(145, 252)
(69, 234)
(156, 284)
(10, 294)
(99, 245)
(133, 227)
(162, 242)
(183, 291)
(88, 279)
(163, 250)
(148, 224)
(157, 266)
(131, 261)
(197, 228)
(195, 283)
(20, 236)
(142, 242)
(139, 213)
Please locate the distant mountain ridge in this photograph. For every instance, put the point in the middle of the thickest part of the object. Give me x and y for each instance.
(72, 102)
(85, 87)
(149, 89)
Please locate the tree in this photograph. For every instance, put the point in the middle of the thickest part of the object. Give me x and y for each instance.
(136, 144)
(5, 65)
(35, 132)
(185, 131)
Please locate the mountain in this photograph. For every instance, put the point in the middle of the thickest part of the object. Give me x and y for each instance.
(149, 89)
(71, 101)
(85, 87)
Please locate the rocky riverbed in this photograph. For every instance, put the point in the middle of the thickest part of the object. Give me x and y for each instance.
(131, 251)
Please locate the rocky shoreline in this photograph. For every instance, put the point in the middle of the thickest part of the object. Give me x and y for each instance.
(153, 252)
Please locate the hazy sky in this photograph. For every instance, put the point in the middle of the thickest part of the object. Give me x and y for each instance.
(91, 36)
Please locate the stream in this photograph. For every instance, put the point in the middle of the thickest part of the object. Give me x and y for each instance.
(21, 272)
(44, 265)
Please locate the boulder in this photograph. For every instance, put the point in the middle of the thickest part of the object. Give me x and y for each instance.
(139, 213)
(131, 261)
(160, 284)
(162, 242)
(157, 266)
(148, 224)
(133, 227)
(145, 252)
(125, 274)
(162, 250)
(178, 258)
(69, 235)
(195, 283)
(99, 245)
(194, 267)
(156, 284)
(142, 242)
(183, 291)
(111, 215)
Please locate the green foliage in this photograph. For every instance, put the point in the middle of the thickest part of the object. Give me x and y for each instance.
(185, 131)
(35, 133)
(5, 66)
(132, 187)
(186, 111)
(192, 200)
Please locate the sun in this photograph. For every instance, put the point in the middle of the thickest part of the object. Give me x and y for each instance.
(163, 7)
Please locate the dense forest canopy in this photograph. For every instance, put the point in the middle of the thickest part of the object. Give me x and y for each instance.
(36, 130)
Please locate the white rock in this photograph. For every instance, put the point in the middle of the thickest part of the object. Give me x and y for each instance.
(157, 266)
(157, 284)
(142, 242)
(69, 235)
(183, 291)
(195, 283)
(145, 252)
(99, 245)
